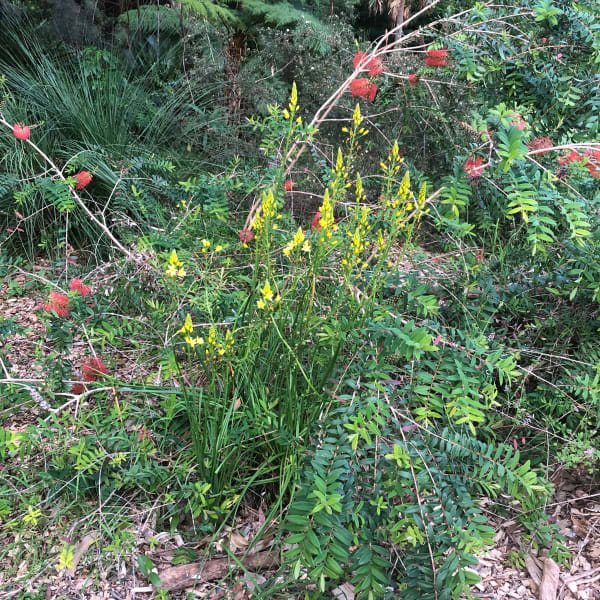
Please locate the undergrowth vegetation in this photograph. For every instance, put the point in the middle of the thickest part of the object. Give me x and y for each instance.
(272, 273)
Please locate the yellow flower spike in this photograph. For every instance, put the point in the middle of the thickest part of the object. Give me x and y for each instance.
(356, 117)
(359, 187)
(188, 326)
(404, 189)
(174, 259)
(286, 114)
(299, 237)
(422, 195)
(267, 292)
(395, 149)
(294, 98)
(339, 162)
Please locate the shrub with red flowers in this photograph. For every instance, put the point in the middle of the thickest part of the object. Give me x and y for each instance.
(83, 179)
(474, 167)
(59, 303)
(21, 132)
(436, 58)
(364, 88)
(373, 66)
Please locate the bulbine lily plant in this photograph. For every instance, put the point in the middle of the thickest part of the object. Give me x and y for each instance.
(263, 371)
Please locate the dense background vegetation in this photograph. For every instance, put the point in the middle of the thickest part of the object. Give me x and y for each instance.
(353, 298)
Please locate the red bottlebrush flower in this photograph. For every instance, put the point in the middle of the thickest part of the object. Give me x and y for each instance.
(93, 368)
(59, 303)
(593, 163)
(436, 58)
(413, 79)
(539, 145)
(288, 185)
(77, 388)
(570, 158)
(246, 235)
(20, 131)
(373, 66)
(363, 88)
(315, 222)
(358, 57)
(77, 285)
(83, 178)
(474, 167)
(518, 121)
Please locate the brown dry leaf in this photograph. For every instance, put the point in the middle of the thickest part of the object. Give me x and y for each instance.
(238, 541)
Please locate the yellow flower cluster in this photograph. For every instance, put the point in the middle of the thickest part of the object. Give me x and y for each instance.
(187, 330)
(214, 346)
(293, 105)
(357, 244)
(175, 266)
(268, 298)
(340, 173)
(267, 215)
(327, 221)
(298, 241)
(205, 246)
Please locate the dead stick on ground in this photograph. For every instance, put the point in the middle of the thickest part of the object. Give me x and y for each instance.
(182, 576)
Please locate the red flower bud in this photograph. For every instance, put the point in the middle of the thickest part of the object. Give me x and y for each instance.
(288, 185)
